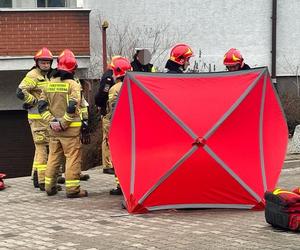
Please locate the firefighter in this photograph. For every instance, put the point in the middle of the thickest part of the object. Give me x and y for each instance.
(29, 92)
(119, 65)
(179, 58)
(141, 61)
(84, 135)
(233, 60)
(84, 113)
(59, 106)
(106, 82)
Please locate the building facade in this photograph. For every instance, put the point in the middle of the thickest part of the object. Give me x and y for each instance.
(25, 27)
(210, 27)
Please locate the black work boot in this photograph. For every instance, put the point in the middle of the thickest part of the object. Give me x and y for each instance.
(52, 192)
(42, 186)
(123, 204)
(80, 194)
(116, 191)
(61, 180)
(35, 179)
(108, 171)
(84, 177)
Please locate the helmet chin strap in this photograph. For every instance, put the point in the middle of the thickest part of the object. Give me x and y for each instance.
(185, 66)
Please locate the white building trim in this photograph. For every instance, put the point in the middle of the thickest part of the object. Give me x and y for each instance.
(26, 62)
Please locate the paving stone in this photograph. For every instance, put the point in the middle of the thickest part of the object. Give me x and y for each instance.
(31, 220)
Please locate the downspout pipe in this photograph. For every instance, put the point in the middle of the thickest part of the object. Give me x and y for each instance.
(104, 26)
(274, 42)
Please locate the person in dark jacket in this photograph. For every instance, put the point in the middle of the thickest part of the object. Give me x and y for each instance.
(141, 61)
(101, 98)
(179, 58)
(233, 60)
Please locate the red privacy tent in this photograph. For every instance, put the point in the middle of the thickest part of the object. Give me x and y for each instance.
(211, 140)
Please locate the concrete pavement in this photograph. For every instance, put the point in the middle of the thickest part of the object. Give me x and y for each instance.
(31, 220)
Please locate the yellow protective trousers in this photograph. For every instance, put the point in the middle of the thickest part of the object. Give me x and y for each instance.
(106, 159)
(70, 147)
(40, 161)
(41, 141)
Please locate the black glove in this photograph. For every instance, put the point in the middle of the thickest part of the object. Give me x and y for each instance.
(103, 111)
(84, 125)
(27, 106)
(85, 133)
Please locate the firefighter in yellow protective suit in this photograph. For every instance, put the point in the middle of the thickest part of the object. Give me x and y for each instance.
(84, 135)
(29, 92)
(119, 66)
(84, 115)
(59, 105)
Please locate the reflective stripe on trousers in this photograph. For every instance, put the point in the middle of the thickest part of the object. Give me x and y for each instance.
(39, 167)
(72, 183)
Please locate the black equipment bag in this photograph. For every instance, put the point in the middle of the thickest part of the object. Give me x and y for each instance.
(283, 209)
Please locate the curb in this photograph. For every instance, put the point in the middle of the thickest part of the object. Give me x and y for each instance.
(291, 157)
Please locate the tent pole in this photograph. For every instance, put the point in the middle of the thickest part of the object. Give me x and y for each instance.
(104, 51)
(274, 41)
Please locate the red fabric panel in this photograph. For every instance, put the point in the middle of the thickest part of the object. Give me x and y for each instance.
(199, 180)
(160, 142)
(120, 141)
(275, 134)
(236, 141)
(199, 102)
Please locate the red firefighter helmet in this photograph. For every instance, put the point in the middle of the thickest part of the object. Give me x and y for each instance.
(120, 65)
(43, 54)
(65, 52)
(180, 53)
(67, 62)
(233, 57)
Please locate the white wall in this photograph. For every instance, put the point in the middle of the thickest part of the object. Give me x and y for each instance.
(212, 26)
(288, 37)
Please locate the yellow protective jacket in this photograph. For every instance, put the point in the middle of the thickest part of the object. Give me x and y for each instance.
(112, 99)
(29, 91)
(84, 114)
(61, 101)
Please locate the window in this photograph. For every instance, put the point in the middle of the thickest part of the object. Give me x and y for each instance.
(51, 3)
(5, 3)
